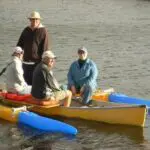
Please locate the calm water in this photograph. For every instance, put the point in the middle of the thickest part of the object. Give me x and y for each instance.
(116, 33)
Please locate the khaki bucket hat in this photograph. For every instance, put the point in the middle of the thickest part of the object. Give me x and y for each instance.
(34, 15)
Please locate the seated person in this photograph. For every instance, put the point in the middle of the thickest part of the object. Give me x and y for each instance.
(15, 82)
(82, 76)
(44, 86)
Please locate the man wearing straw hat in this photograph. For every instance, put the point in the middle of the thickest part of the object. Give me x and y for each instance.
(34, 41)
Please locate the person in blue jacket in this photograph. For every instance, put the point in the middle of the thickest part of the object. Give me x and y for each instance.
(82, 76)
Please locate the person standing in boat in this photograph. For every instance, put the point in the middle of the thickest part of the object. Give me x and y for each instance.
(34, 41)
(82, 76)
(44, 86)
(15, 82)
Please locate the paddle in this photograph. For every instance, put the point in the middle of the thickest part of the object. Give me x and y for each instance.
(42, 123)
(4, 69)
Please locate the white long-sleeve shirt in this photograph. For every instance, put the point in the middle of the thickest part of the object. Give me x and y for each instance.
(14, 76)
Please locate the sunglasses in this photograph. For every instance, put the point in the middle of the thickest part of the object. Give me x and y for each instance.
(81, 52)
(52, 59)
(32, 19)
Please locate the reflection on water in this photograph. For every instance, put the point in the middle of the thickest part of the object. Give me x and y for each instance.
(95, 135)
(92, 135)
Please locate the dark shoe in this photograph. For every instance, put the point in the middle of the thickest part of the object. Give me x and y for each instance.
(78, 99)
(91, 103)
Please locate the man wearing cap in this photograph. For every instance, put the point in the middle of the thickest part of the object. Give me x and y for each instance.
(45, 87)
(14, 74)
(82, 76)
(34, 41)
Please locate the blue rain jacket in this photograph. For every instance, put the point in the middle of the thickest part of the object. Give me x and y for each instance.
(86, 75)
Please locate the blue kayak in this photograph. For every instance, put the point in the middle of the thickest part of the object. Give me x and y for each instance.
(121, 98)
(46, 124)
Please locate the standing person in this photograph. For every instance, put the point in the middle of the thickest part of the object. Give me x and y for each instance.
(34, 41)
(82, 76)
(15, 82)
(45, 87)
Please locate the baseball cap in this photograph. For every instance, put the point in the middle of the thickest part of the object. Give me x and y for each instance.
(82, 49)
(18, 50)
(48, 54)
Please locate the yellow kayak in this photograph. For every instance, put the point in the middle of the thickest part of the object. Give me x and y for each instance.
(104, 112)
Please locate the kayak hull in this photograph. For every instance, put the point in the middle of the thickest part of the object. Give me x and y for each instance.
(8, 114)
(134, 115)
(104, 112)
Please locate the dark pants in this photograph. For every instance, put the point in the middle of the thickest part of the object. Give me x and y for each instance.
(28, 72)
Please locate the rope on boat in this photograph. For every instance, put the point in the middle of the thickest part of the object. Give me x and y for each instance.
(23, 108)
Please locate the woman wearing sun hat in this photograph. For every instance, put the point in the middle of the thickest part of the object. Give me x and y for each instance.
(34, 41)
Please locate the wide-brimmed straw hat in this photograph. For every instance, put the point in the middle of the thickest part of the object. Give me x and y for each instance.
(34, 15)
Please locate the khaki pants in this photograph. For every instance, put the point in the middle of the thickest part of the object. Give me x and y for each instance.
(60, 95)
(63, 96)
